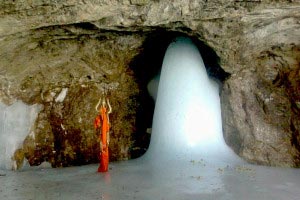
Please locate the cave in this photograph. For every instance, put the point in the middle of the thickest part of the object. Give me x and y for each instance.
(57, 59)
(57, 137)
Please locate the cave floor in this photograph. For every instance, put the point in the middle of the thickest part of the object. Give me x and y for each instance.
(201, 178)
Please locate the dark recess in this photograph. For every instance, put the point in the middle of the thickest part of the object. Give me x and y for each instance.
(148, 64)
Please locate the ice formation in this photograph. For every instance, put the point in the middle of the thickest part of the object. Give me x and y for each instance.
(62, 95)
(153, 86)
(187, 117)
(16, 121)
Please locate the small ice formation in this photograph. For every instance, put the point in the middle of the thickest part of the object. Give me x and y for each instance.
(152, 87)
(187, 116)
(62, 95)
(16, 121)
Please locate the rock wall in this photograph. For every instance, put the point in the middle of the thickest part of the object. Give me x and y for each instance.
(262, 103)
(68, 76)
(82, 47)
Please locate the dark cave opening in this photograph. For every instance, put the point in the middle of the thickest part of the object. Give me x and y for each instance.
(147, 65)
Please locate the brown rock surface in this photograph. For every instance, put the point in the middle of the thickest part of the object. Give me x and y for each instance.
(83, 45)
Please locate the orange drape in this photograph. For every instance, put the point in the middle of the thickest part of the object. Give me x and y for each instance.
(102, 122)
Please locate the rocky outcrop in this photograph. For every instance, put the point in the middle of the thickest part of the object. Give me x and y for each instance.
(262, 105)
(81, 47)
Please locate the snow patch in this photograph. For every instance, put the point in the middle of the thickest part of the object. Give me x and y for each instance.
(16, 121)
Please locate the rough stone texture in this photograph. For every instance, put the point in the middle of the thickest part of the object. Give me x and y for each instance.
(47, 45)
(263, 126)
(40, 69)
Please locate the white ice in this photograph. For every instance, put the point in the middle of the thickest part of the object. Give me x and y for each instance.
(16, 122)
(187, 117)
(62, 95)
(187, 158)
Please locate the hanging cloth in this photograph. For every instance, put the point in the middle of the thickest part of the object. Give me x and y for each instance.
(102, 123)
